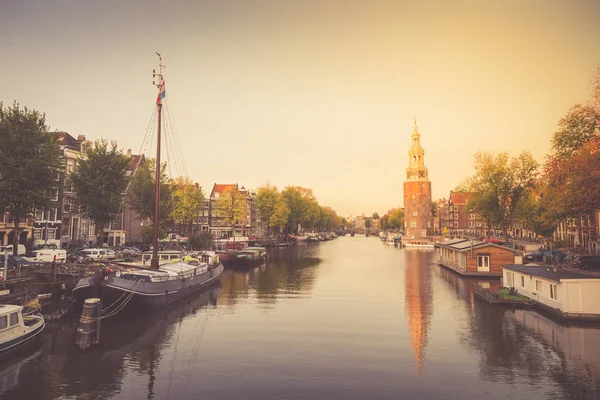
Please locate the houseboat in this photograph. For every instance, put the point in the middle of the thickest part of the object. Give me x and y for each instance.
(476, 258)
(418, 244)
(248, 257)
(570, 295)
(16, 329)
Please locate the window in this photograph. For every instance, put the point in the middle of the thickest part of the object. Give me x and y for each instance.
(14, 319)
(483, 261)
(553, 292)
(456, 224)
(424, 232)
(455, 208)
(3, 322)
(37, 234)
(415, 213)
(51, 234)
(522, 281)
(413, 223)
(538, 285)
(455, 215)
(52, 216)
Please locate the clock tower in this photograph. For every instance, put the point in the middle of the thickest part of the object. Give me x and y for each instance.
(418, 219)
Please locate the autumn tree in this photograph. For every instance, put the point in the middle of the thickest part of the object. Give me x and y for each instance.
(100, 181)
(393, 219)
(30, 164)
(231, 208)
(188, 201)
(142, 191)
(375, 216)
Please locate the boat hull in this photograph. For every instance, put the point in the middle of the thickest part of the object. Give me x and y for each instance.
(10, 346)
(126, 295)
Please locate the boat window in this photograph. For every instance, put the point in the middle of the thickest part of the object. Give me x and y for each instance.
(14, 319)
(3, 322)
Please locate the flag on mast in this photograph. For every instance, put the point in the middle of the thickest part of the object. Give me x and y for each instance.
(161, 93)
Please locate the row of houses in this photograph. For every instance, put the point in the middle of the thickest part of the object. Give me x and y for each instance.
(454, 219)
(65, 224)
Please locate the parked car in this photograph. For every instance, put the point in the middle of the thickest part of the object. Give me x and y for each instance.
(47, 255)
(586, 262)
(95, 254)
(77, 257)
(110, 254)
(538, 256)
(15, 261)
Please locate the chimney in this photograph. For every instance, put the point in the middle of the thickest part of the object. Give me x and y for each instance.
(128, 152)
(81, 138)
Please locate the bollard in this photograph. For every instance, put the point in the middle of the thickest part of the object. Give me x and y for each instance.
(88, 332)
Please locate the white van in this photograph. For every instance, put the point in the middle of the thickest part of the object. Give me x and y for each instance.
(47, 255)
(9, 248)
(95, 254)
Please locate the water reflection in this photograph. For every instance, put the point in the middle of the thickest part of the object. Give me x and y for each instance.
(126, 344)
(290, 273)
(524, 347)
(418, 301)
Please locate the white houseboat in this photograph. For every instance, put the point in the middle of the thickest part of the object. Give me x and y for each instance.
(16, 329)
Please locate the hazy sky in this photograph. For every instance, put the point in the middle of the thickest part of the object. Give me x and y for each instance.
(318, 93)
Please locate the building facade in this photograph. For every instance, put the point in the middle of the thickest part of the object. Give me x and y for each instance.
(418, 217)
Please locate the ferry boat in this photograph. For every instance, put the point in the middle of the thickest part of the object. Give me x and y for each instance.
(16, 329)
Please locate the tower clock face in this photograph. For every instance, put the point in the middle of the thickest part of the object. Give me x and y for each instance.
(421, 174)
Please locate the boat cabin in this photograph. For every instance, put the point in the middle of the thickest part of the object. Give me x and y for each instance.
(15, 329)
(476, 258)
(572, 294)
(163, 256)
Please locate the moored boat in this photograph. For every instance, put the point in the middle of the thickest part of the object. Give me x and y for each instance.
(248, 257)
(419, 244)
(17, 330)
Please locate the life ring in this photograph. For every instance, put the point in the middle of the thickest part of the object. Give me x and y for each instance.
(106, 278)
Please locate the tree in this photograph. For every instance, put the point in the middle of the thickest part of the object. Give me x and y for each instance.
(499, 184)
(231, 208)
(375, 216)
(201, 241)
(396, 219)
(303, 206)
(100, 181)
(368, 223)
(577, 127)
(279, 218)
(30, 164)
(188, 201)
(271, 206)
(142, 191)
(383, 222)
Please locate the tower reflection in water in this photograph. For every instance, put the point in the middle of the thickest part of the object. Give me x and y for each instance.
(418, 300)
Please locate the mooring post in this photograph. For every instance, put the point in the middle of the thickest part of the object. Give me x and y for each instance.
(88, 332)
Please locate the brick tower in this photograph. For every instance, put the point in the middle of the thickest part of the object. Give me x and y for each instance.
(418, 220)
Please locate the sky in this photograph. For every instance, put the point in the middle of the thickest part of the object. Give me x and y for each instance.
(320, 94)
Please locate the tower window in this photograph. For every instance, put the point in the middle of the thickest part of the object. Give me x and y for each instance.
(413, 223)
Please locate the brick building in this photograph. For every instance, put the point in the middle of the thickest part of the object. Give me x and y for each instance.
(418, 218)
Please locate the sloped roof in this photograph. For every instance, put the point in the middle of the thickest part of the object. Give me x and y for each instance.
(221, 187)
(460, 198)
(466, 244)
(549, 273)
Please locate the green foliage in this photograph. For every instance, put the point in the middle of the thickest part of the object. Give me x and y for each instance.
(30, 163)
(141, 196)
(392, 220)
(272, 208)
(581, 124)
(303, 206)
(231, 207)
(368, 223)
(201, 241)
(188, 200)
(148, 233)
(100, 181)
(328, 219)
(499, 184)
(375, 216)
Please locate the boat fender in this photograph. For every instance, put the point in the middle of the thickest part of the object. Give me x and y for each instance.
(118, 274)
(106, 278)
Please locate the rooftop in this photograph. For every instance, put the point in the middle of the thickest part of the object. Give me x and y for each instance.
(459, 198)
(549, 273)
(222, 187)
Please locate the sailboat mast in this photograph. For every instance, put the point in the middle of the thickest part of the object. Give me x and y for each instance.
(161, 95)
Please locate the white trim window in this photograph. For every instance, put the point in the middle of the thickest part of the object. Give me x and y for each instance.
(37, 234)
(483, 263)
(553, 292)
(413, 223)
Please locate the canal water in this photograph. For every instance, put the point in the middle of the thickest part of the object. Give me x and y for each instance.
(345, 319)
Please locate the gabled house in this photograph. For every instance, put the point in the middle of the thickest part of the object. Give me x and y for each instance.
(128, 226)
(475, 258)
